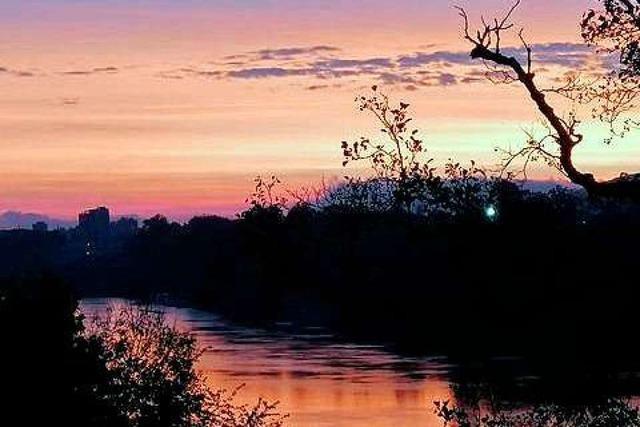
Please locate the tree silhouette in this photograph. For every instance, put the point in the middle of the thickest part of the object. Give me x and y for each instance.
(404, 176)
(616, 28)
(610, 99)
(399, 158)
(153, 381)
(267, 205)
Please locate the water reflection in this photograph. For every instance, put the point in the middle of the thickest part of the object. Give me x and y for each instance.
(318, 381)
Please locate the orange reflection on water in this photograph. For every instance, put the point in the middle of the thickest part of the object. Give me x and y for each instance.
(323, 383)
(318, 381)
(320, 402)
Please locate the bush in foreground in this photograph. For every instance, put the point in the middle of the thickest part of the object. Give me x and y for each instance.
(153, 379)
(613, 413)
(129, 368)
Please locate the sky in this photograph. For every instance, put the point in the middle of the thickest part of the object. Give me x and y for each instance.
(173, 106)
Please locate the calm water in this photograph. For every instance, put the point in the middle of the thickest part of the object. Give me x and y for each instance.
(318, 381)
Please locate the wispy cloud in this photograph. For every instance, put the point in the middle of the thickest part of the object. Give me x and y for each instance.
(267, 72)
(367, 63)
(294, 52)
(16, 73)
(324, 63)
(95, 70)
(420, 59)
(413, 70)
(318, 87)
(283, 54)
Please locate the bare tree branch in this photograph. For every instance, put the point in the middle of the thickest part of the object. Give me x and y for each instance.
(486, 47)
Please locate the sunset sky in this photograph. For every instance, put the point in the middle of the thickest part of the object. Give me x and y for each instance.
(173, 106)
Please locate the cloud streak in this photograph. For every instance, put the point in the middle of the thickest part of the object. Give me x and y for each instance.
(320, 64)
(96, 70)
(413, 70)
(16, 73)
(294, 52)
(268, 72)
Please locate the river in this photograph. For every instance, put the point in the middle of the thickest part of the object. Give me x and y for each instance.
(319, 381)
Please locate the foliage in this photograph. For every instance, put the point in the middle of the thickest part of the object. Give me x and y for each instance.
(152, 369)
(361, 195)
(610, 98)
(153, 377)
(45, 361)
(266, 194)
(129, 368)
(159, 225)
(613, 413)
(400, 156)
(267, 205)
(463, 194)
(616, 28)
(403, 176)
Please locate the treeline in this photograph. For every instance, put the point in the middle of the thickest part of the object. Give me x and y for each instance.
(519, 272)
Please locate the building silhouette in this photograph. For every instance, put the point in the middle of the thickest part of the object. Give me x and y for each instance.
(94, 224)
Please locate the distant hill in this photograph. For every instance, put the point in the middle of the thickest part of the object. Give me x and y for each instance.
(15, 219)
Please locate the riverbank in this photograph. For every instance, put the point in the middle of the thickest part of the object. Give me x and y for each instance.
(549, 279)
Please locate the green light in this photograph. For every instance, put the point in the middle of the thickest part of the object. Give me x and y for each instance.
(491, 212)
